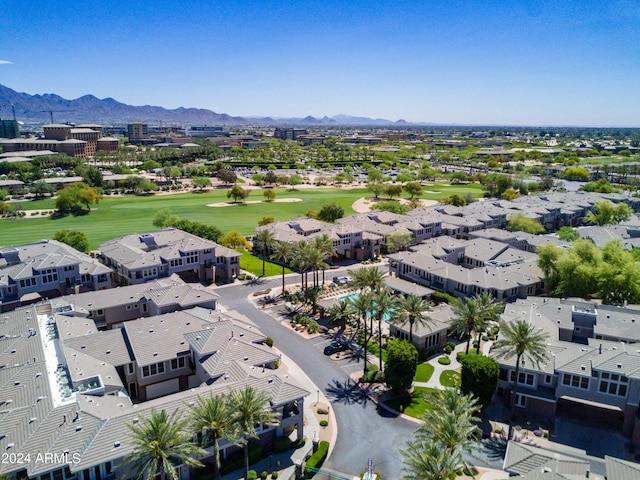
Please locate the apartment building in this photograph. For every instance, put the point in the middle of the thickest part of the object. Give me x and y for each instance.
(46, 269)
(70, 390)
(140, 258)
(593, 363)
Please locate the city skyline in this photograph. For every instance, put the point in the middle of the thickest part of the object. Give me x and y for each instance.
(460, 62)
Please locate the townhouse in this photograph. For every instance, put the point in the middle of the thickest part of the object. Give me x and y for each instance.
(47, 268)
(69, 391)
(139, 258)
(592, 367)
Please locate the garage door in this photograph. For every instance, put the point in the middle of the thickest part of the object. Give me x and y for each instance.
(163, 388)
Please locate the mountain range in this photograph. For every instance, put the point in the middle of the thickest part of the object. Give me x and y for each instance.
(49, 108)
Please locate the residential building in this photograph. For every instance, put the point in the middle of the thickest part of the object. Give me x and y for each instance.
(139, 258)
(45, 269)
(432, 335)
(70, 390)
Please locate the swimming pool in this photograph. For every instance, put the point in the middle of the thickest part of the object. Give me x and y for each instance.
(386, 317)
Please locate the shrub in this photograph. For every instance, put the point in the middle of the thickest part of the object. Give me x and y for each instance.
(281, 444)
(316, 460)
(444, 361)
(236, 460)
(441, 297)
(274, 475)
(268, 342)
(252, 475)
(264, 475)
(322, 411)
(324, 423)
(375, 376)
(371, 367)
(451, 345)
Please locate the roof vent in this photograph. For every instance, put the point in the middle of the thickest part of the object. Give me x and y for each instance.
(619, 365)
(246, 358)
(116, 444)
(78, 428)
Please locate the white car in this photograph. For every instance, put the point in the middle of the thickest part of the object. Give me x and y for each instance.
(341, 280)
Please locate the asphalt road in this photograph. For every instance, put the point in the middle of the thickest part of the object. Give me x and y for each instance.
(364, 431)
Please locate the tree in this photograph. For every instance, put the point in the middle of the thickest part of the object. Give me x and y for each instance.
(212, 416)
(227, 176)
(405, 176)
(524, 341)
(510, 194)
(270, 177)
(266, 220)
(519, 223)
(479, 377)
(74, 239)
(606, 213)
(159, 445)
(238, 193)
(414, 189)
(383, 303)
(618, 275)
(393, 190)
(576, 173)
(76, 193)
(427, 460)
(294, 180)
(362, 306)
(399, 241)
(330, 212)
(269, 194)
(250, 409)
(263, 242)
(368, 278)
(201, 182)
(489, 313)
(413, 309)
(146, 186)
(92, 176)
(401, 365)
(234, 239)
(164, 218)
(340, 313)
(282, 252)
(466, 314)
(376, 188)
(41, 189)
(568, 234)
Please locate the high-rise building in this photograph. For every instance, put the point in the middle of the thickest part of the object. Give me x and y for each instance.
(137, 132)
(9, 129)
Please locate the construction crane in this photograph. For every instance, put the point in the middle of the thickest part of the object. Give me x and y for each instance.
(51, 112)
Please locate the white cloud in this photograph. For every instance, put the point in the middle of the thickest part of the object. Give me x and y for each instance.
(5, 62)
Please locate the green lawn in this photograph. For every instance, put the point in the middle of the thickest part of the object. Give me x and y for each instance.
(253, 264)
(423, 372)
(450, 378)
(413, 405)
(117, 216)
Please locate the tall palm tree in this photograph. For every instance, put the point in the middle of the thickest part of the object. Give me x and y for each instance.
(466, 315)
(363, 306)
(160, 443)
(300, 258)
(427, 460)
(250, 409)
(522, 340)
(212, 417)
(263, 242)
(324, 245)
(490, 311)
(341, 313)
(283, 253)
(413, 309)
(383, 303)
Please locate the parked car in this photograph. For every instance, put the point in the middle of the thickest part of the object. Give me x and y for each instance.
(335, 347)
(342, 280)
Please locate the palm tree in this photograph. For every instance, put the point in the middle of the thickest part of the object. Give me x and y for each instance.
(212, 417)
(341, 313)
(490, 312)
(160, 443)
(368, 277)
(250, 409)
(300, 258)
(466, 314)
(363, 306)
(324, 245)
(522, 340)
(263, 242)
(283, 253)
(413, 309)
(383, 302)
(427, 460)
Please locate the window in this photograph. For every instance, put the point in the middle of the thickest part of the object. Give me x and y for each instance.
(179, 362)
(575, 381)
(613, 384)
(153, 369)
(548, 379)
(131, 369)
(523, 378)
(521, 401)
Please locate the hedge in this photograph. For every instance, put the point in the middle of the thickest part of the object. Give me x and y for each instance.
(317, 459)
(235, 461)
(281, 444)
(444, 361)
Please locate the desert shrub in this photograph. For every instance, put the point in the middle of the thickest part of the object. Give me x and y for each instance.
(268, 342)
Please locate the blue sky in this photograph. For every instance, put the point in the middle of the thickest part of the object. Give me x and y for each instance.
(536, 62)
